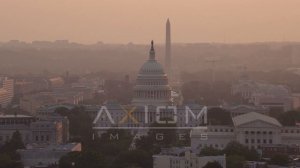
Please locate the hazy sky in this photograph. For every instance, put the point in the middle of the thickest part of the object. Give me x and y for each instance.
(139, 21)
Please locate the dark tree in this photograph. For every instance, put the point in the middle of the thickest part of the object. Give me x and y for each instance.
(80, 123)
(9, 157)
(219, 116)
(235, 161)
(280, 159)
(135, 158)
(6, 161)
(158, 138)
(113, 142)
(289, 118)
(63, 111)
(235, 148)
(90, 159)
(210, 151)
(213, 165)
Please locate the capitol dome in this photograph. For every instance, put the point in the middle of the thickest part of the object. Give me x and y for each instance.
(152, 86)
(151, 67)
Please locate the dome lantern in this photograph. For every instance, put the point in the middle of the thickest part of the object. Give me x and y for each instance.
(152, 51)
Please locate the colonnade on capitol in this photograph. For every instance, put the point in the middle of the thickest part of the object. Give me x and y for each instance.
(152, 94)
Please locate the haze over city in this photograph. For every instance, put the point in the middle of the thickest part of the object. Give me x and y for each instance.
(149, 84)
(139, 21)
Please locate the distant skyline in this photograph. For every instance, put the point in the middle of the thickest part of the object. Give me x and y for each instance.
(140, 21)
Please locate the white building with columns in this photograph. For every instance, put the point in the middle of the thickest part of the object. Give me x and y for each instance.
(252, 129)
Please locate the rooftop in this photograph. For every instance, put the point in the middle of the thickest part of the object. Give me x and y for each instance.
(14, 116)
(253, 116)
(60, 147)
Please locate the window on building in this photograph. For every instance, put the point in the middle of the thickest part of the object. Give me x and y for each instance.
(246, 132)
(258, 140)
(264, 141)
(270, 141)
(246, 141)
(36, 138)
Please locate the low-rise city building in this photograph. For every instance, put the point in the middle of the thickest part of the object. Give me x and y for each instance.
(31, 129)
(31, 84)
(184, 158)
(44, 156)
(274, 149)
(275, 97)
(32, 102)
(6, 91)
(244, 109)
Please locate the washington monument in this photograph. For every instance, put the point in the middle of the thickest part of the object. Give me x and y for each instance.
(168, 50)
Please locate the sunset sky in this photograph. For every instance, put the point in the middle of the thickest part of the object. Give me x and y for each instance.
(139, 21)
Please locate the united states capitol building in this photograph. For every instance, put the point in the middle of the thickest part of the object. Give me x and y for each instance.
(152, 87)
(151, 91)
